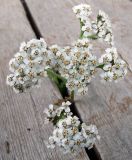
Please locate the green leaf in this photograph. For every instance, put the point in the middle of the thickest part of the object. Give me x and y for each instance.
(57, 118)
(100, 66)
(81, 32)
(58, 80)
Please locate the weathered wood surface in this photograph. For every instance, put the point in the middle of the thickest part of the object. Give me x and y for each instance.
(22, 133)
(55, 19)
(108, 106)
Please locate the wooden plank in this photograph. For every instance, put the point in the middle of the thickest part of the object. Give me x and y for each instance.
(56, 20)
(22, 133)
(107, 106)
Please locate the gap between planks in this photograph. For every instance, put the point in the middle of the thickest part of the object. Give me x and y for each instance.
(93, 153)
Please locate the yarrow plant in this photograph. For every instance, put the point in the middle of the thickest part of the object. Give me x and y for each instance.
(69, 133)
(72, 68)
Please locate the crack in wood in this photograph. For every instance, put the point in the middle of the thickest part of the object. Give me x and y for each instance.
(93, 153)
(31, 19)
(7, 146)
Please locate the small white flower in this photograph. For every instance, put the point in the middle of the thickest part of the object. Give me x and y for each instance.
(51, 107)
(83, 12)
(68, 103)
(105, 59)
(107, 67)
(113, 52)
(10, 80)
(67, 109)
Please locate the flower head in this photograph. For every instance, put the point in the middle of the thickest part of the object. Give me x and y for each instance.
(114, 68)
(77, 65)
(102, 27)
(54, 113)
(29, 64)
(82, 11)
(70, 134)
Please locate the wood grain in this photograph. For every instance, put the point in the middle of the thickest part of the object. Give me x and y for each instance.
(22, 133)
(108, 106)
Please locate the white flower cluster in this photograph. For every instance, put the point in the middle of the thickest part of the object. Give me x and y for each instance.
(69, 134)
(77, 65)
(54, 113)
(74, 63)
(114, 68)
(83, 12)
(102, 27)
(29, 64)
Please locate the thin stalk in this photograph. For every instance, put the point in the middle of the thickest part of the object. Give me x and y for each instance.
(72, 96)
(100, 66)
(92, 36)
(81, 32)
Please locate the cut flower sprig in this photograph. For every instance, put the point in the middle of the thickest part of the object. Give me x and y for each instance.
(94, 29)
(69, 133)
(71, 68)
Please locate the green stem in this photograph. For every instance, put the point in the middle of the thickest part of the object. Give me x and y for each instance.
(81, 32)
(100, 66)
(92, 36)
(72, 96)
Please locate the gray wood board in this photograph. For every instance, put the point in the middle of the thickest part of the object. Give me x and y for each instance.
(22, 133)
(108, 106)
